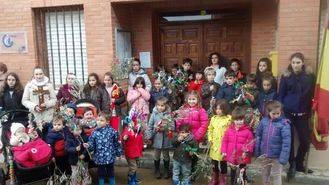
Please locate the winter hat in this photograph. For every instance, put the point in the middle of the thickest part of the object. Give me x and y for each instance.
(72, 106)
(15, 126)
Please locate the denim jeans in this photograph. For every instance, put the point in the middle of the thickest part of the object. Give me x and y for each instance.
(183, 169)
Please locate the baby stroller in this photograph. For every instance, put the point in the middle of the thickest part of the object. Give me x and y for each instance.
(17, 172)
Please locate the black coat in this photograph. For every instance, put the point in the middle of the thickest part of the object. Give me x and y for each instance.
(12, 101)
(71, 144)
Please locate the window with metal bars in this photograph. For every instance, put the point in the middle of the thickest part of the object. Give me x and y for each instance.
(62, 44)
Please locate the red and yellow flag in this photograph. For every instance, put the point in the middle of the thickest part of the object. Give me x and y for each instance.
(320, 135)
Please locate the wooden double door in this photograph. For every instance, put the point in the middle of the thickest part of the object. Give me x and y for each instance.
(230, 38)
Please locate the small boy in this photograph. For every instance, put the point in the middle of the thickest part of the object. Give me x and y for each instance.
(227, 90)
(196, 84)
(56, 139)
(187, 65)
(250, 90)
(104, 141)
(158, 90)
(78, 153)
(185, 147)
(210, 88)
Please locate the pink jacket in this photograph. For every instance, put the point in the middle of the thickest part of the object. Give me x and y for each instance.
(138, 98)
(236, 142)
(196, 117)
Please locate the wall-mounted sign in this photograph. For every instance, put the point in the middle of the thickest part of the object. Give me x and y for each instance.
(13, 42)
(145, 58)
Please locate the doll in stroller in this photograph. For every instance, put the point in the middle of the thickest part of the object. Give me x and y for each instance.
(26, 157)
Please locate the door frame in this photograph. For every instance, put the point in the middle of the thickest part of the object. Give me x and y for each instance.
(157, 24)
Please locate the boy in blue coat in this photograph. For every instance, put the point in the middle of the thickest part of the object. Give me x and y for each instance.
(105, 144)
(273, 142)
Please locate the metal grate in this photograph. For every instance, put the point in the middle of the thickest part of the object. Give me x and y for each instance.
(66, 45)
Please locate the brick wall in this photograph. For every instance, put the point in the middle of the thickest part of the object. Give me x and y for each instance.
(298, 30)
(263, 26)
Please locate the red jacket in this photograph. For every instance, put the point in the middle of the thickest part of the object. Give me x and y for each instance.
(195, 86)
(133, 146)
(237, 141)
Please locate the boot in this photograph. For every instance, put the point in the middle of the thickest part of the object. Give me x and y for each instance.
(132, 179)
(222, 179)
(292, 171)
(166, 169)
(112, 181)
(174, 182)
(233, 174)
(157, 169)
(214, 178)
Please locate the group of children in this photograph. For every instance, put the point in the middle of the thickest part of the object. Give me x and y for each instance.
(239, 114)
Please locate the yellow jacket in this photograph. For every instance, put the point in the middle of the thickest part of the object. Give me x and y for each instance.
(216, 130)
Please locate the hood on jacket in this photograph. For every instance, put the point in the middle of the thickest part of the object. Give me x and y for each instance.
(306, 69)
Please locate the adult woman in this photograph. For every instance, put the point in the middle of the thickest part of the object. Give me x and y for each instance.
(64, 94)
(137, 71)
(296, 91)
(11, 94)
(39, 97)
(218, 62)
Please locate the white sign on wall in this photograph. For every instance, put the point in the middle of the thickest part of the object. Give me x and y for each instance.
(145, 58)
(13, 42)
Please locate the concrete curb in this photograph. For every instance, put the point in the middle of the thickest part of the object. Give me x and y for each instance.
(319, 177)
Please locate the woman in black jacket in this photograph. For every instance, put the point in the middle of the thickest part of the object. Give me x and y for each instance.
(11, 94)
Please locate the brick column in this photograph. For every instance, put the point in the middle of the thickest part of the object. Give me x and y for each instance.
(298, 28)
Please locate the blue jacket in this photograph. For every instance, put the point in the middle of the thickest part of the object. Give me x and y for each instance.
(264, 97)
(104, 142)
(54, 136)
(71, 144)
(155, 95)
(273, 139)
(296, 92)
(226, 92)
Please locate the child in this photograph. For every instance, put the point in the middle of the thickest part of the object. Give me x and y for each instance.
(217, 127)
(174, 70)
(104, 142)
(196, 84)
(227, 90)
(249, 92)
(266, 94)
(94, 91)
(193, 114)
(88, 122)
(78, 155)
(136, 72)
(236, 65)
(185, 147)
(132, 139)
(3, 74)
(209, 88)
(157, 91)
(237, 145)
(187, 65)
(116, 95)
(273, 140)
(56, 137)
(296, 92)
(159, 131)
(138, 97)
(264, 67)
